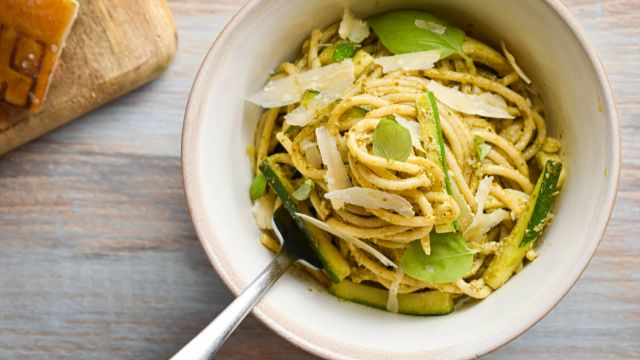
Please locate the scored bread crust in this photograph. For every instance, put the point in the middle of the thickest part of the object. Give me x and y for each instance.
(32, 36)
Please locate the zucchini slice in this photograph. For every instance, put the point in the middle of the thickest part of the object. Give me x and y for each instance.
(334, 265)
(421, 303)
(527, 229)
(433, 142)
(361, 60)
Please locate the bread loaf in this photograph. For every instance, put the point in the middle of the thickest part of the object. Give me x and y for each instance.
(32, 36)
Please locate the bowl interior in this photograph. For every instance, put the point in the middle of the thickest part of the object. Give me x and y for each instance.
(220, 124)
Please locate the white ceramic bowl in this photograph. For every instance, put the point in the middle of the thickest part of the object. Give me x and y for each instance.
(549, 45)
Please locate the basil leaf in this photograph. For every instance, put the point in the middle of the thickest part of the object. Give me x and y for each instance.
(398, 32)
(344, 49)
(258, 187)
(450, 259)
(302, 193)
(391, 140)
(482, 149)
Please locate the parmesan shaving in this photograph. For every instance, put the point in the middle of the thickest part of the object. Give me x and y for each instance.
(352, 28)
(512, 60)
(330, 79)
(372, 199)
(336, 175)
(414, 130)
(311, 153)
(392, 300)
(482, 222)
(466, 215)
(486, 104)
(431, 26)
(262, 211)
(302, 115)
(422, 60)
(348, 238)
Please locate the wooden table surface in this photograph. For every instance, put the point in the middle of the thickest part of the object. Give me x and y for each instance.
(99, 260)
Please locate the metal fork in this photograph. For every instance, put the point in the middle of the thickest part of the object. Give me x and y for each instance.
(294, 248)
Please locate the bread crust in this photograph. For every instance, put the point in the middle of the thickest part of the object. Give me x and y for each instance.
(32, 36)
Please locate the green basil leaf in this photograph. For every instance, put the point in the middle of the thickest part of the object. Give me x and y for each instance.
(482, 149)
(398, 32)
(391, 140)
(258, 187)
(344, 49)
(450, 259)
(302, 193)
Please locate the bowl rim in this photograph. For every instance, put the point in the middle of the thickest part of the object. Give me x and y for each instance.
(194, 119)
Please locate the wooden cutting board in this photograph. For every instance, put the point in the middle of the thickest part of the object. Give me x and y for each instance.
(114, 47)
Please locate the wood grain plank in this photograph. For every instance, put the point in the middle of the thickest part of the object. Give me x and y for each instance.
(99, 259)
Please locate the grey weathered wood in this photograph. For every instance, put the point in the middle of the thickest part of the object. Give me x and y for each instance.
(98, 258)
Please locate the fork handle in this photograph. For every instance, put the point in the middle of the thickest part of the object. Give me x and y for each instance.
(209, 341)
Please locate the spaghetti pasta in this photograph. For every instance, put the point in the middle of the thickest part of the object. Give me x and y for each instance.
(352, 120)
